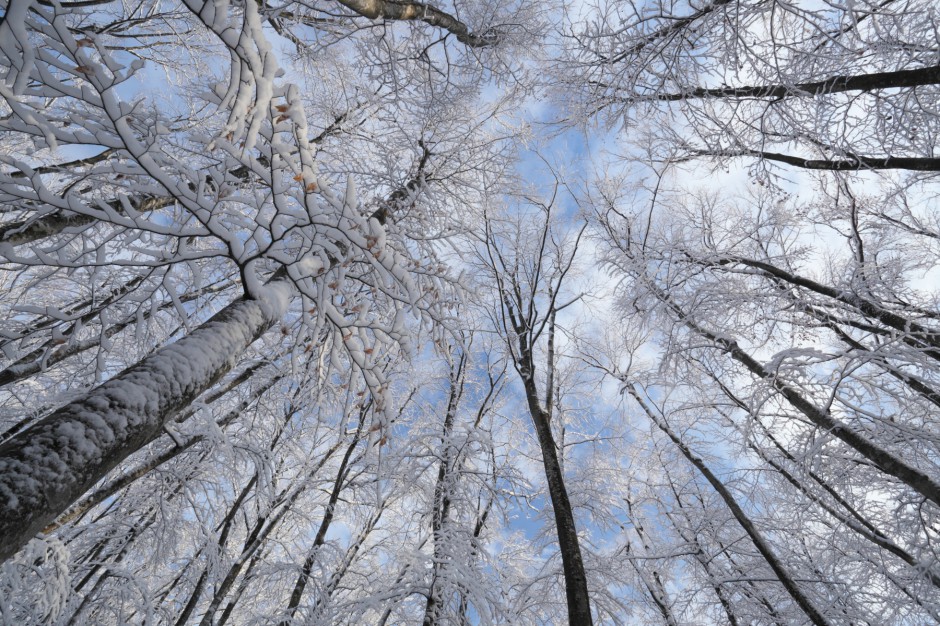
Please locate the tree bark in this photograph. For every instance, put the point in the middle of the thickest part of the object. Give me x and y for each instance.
(834, 84)
(47, 467)
(850, 163)
(519, 319)
(442, 490)
(576, 590)
(781, 571)
(882, 458)
(341, 475)
(413, 11)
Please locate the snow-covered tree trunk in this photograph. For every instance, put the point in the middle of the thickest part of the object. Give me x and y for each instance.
(45, 468)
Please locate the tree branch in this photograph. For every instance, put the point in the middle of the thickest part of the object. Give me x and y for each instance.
(419, 11)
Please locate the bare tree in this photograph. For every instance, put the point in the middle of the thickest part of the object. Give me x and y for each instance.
(778, 360)
(531, 291)
(258, 307)
(786, 84)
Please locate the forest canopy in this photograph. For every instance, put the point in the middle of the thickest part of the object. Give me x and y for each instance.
(469, 312)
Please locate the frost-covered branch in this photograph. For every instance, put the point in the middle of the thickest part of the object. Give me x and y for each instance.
(411, 11)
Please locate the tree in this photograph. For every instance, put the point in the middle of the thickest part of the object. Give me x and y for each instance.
(528, 287)
(791, 321)
(813, 418)
(143, 265)
(290, 334)
(831, 90)
(259, 204)
(47, 466)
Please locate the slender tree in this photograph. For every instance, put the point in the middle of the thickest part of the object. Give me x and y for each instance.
(529, 288)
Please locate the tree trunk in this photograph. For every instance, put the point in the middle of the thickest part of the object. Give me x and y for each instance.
(442, 490)
(579, 607)
(766, 551)
(45, 468)
(882, 458)
(835, 84)
(298, 592)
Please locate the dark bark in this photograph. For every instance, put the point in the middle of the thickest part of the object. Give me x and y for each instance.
(882, 458)
(105, 553)
(523, 326)
(464, 608)
(871, 535)
(443, 486)
(246, 580)
(262, 528)
(863, 352)
(779, 569)
(387, 613)
(419, 11)
(822, 483)
(352, 551)
(843, 511)
(301, 584)
(654, 582)
(400, 198)
(926, 337)
(33, 229)
(834, 84)
(847, 164)
(576, 590)
(675, 25)
(705, 561)
(884, 364)
(226, 528)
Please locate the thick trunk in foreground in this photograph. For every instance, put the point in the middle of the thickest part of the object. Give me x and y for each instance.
(47, 467)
